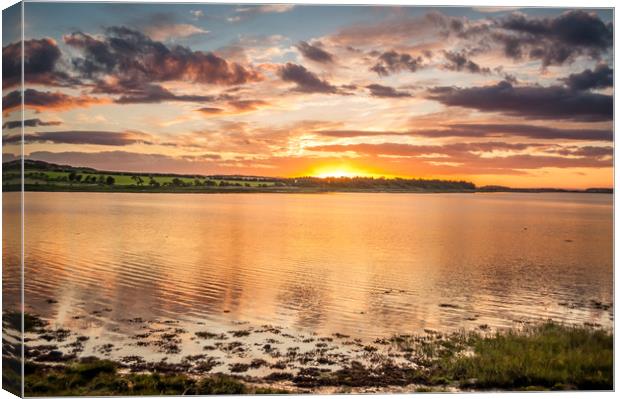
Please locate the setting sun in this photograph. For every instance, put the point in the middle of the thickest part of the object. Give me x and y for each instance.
(340, 171)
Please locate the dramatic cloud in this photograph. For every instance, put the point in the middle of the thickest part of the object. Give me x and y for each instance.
(601, 78)
(536, 102)
(469, 154)
(473, 130)
(46, 100)
(555, 40)
(516, 130)
(41, 57)
(254, 98)
(415, 150)
(458, 61)
(29, 123)
(392, 62)
(130, 56)
(86, 137)
(377, 90)
(587, 151)
(156, 94)
(129, 161)
(552, 40)
(305, 80)
(314, 52)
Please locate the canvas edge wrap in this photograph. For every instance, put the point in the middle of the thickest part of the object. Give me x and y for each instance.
(13, 211)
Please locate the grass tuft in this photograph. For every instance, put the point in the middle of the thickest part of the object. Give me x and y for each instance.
(547, 356)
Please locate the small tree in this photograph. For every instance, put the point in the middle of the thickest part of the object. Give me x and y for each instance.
(110, 181)
(137, 179)
(153, 182)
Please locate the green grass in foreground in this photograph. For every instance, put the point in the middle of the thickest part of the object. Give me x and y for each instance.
(95, 377)
(547, 356)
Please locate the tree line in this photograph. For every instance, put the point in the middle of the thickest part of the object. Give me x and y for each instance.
(361, 183)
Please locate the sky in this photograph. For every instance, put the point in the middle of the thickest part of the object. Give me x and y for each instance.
(520, 97)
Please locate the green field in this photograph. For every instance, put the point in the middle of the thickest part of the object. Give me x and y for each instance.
(58, 178)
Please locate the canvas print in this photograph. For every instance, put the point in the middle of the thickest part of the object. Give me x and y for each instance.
(286, 198)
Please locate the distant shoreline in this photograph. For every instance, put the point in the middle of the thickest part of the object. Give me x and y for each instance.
(273, 190)
(49, 177)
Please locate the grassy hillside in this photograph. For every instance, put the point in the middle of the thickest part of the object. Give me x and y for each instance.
(43, 176)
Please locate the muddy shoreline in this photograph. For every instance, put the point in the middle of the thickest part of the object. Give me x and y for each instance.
(273, 359)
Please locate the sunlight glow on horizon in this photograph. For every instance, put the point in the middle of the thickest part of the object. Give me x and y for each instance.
(343, 170)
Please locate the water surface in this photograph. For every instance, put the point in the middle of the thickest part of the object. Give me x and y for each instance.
(363, 264)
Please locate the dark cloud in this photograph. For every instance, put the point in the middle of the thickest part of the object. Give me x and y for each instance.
(420, 150)
(89, 137)
(469, 155)
(393, 62)
(29, 123)
(11, 101)
(129, 161)
(386, 91)
(535, 102)
(41, 100)
(133, 58)
(210, 110)
(156, 94)
(554, 40)
(306, 81)
(587, 151)
(601, 78)
(458, 61)
(41, 57)
(314, 52)
(471, 130)
(519, 130)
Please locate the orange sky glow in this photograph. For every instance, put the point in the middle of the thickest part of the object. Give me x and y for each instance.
(520, 98)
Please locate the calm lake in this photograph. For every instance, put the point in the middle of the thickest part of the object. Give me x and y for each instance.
(366, 264)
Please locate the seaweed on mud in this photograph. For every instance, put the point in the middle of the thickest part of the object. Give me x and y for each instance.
(132, 359)
(279, 365)
(105, 348)
(234, 347)
(341, 336)
(279, 376)
(59, 335)
(239, 333)
(270, 330)
(206, 365)
(238, 367)
(258, 363)
(210, 335)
